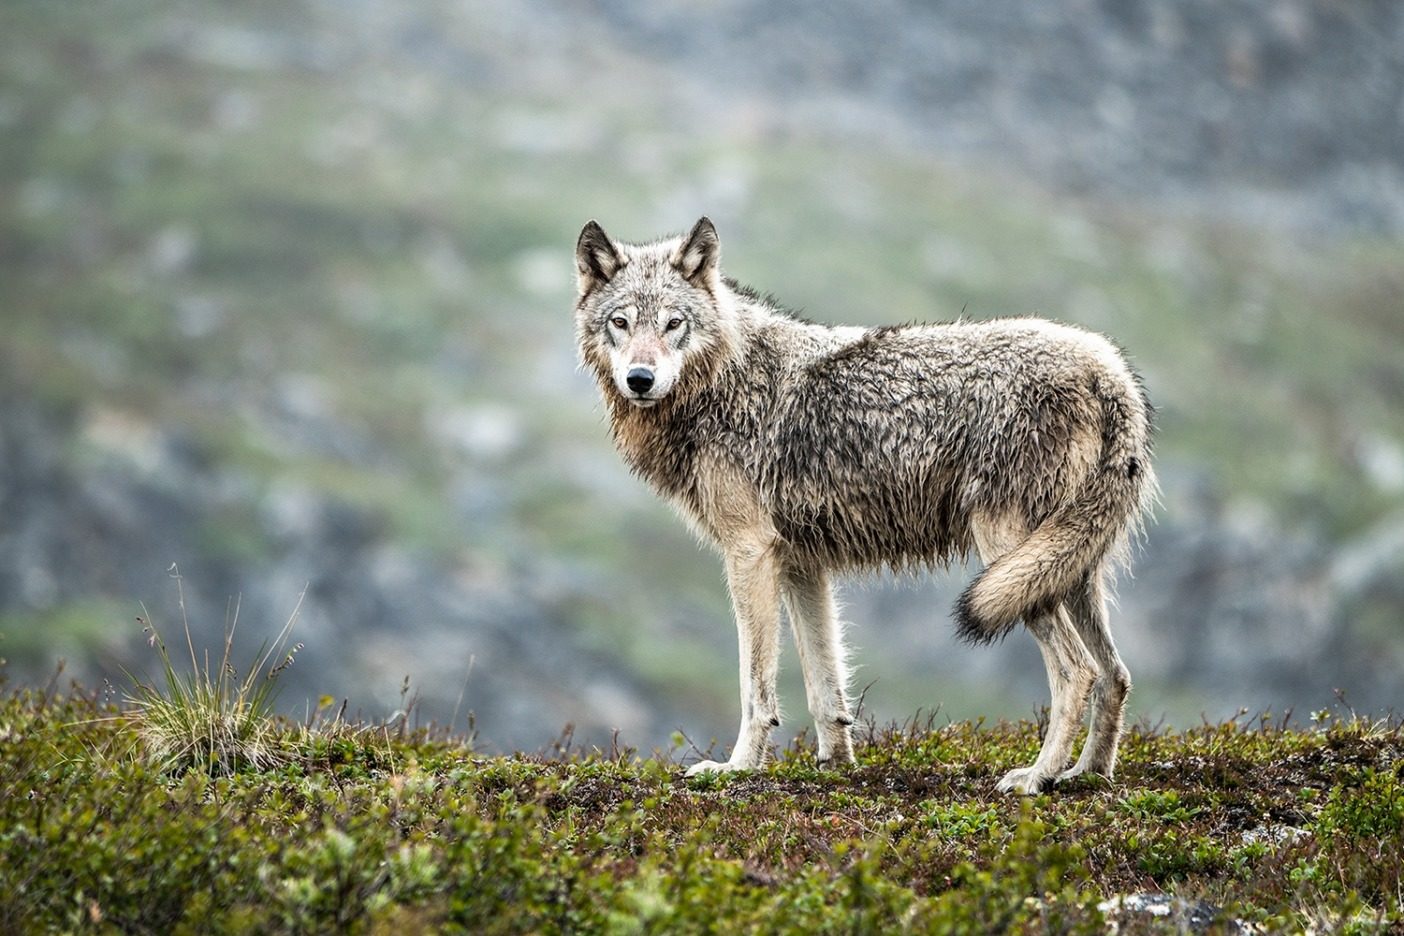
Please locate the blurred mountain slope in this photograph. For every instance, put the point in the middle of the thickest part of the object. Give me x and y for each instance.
(286, 294)
(1284, 112)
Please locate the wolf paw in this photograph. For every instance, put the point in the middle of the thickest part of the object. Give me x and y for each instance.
(835, 753)
(836, 759)
(1083, 774)
(1026, 781)
(706, 767)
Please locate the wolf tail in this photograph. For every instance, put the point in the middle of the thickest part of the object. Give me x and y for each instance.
(1034, 576)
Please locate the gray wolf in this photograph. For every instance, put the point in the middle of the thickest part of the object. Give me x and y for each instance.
(801, 450)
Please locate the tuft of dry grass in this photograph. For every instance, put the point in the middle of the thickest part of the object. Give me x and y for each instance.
(211, 718)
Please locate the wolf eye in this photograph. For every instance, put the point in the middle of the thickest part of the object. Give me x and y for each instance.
(619, 322)
(674, 324)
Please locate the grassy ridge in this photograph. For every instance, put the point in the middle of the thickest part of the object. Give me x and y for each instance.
(367, 831)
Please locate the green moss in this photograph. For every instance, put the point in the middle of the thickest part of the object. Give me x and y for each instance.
(1371, 806)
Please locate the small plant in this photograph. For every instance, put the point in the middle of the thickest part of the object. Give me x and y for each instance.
(211, 718)
(1165, 806)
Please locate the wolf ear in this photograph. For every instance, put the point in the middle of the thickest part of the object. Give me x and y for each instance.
(596, 258)
(696, 259)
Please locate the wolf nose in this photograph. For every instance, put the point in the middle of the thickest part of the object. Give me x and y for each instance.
(639, 379)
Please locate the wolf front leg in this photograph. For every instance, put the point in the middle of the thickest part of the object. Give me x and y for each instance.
(753, 575)
(809, 600)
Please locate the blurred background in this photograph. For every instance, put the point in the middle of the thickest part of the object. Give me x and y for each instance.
(285, 300)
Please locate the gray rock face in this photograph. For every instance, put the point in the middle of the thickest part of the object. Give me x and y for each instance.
(1130, 912)
(1287, 110)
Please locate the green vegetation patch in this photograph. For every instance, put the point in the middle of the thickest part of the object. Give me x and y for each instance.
(365, 830)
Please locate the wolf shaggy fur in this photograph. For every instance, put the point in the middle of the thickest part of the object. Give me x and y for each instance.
(801, 450)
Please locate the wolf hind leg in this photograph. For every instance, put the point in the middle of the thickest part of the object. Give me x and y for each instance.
(809, 601)
(1071, 675)
(1071, 669)
(1088, 609)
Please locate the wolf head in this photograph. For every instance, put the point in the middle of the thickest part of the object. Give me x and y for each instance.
(649, 316)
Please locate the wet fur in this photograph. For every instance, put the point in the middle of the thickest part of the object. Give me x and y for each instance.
(802, 449)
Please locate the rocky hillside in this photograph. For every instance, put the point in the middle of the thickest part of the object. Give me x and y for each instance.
(1284, 112)
(286, 288)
